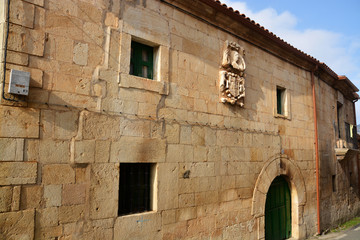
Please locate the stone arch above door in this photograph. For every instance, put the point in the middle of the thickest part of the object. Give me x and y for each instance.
(279, 165)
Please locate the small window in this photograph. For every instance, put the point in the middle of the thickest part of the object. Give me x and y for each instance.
(135, 188)
(333, 181)
(280, 99)
(141, 60)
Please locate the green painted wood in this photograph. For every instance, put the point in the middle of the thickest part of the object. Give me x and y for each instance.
(278, 210)
(141, 60)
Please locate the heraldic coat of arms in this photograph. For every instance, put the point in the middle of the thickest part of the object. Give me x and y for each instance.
(232, 77)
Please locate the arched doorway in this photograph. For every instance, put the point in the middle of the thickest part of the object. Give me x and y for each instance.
(278, 210)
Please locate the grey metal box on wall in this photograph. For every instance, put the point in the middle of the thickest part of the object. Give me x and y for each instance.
(19, 82)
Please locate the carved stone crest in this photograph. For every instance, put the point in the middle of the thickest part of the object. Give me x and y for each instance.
(232, 77)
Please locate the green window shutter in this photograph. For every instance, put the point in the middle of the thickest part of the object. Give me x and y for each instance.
(141, 61)
(279, 93)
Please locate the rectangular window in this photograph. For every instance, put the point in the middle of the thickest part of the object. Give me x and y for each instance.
(280, 99)
(135, 188)
(141, 60)
(333, 181)
(347, 132)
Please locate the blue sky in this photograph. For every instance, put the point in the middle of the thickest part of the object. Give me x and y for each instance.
(326, 29)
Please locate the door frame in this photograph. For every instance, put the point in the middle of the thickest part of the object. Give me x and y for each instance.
(280, 165)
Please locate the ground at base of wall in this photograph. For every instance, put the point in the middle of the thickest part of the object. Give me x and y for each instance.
(340, 230)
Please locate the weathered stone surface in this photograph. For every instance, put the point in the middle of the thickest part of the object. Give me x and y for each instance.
(5, 199)
(66, 124)
(26, 40)
(73, 194)
(17, 225)
(17, 58)
(36, 2)
(102, 151)
(31, 196)
(19, 122)
(58, 174)
(104, 190)
(12, 173)
(47, 217)
(80, 53)
(71, 213)
(100, 127)
(134, 149)
(84, 151)
(11, 149)
(54, 151)
(52, 195)
(22, 13)
(138, 226)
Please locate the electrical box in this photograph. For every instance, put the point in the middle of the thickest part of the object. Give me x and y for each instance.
(19, 82)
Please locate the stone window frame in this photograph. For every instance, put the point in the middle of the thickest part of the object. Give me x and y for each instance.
(286, 104)
(160, 81)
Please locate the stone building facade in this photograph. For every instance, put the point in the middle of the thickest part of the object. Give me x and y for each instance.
(193, 102)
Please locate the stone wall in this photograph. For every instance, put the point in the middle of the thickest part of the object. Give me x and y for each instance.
(61, 149)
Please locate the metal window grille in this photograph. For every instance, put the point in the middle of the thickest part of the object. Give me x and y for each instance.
(134, 188)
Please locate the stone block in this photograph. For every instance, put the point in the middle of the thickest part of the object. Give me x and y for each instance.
(58, 174)
(172, 133)
(31, 196)
(102, 151)
(168, 217)
(99, 126)
(26, 40)
(17, 225)
(11, 149)
(19, 122)
(17, 58)
(184, 214)
(15, 205)
(175, 153)
(71, 213)
(14, 173)
(51, 151)
(137, 226)
(22, 13)
(66, 124)
(185, 135)
(73, 194)
(186, 200)
(52, 195)
(71, 99)
(84, 151)
(135, 128)
(168, 186)
(5, 199)
(93, 33)
(104, 190)
(80, 53)
(63, 43)
(66, 26)
(82, 174)
(134, 149)
(47, 217)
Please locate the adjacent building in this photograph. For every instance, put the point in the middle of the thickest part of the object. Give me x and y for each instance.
(167, 119)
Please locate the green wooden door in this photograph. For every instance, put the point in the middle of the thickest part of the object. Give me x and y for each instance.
(278, 210)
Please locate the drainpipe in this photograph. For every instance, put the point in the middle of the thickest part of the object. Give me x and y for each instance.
(316, 151)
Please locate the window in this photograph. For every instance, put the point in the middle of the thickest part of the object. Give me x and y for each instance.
(141, 60)
(280, 99)
(333, 181)
(135, 188)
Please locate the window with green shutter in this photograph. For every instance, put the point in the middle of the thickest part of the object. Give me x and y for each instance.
(141, 60)
(280, 99)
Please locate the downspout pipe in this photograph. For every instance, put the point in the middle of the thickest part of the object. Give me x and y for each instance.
(316, 151)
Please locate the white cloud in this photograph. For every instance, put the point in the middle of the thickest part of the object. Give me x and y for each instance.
(330, 47)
